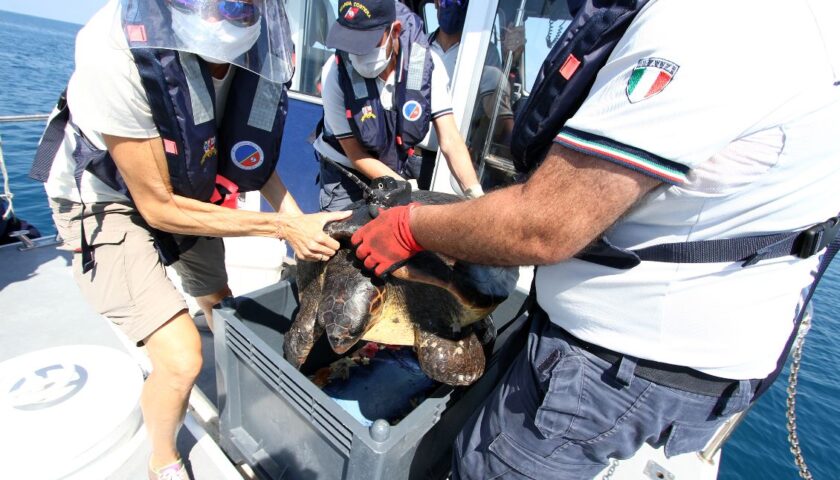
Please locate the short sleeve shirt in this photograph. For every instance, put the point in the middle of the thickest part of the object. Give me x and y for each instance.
(737, 115)
(491, 75)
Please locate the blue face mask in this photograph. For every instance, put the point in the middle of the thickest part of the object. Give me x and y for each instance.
(451, 15)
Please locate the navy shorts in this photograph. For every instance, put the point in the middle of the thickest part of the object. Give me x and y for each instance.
(562, 413)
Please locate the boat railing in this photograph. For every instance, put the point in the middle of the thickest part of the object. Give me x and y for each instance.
(38, 117)
(6, 194)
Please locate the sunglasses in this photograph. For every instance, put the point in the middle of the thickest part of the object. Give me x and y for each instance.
(239, 13)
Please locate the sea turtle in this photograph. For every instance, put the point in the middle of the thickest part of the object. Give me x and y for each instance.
(439, 306)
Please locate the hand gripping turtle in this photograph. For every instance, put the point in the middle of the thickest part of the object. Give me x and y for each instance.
(439, 306)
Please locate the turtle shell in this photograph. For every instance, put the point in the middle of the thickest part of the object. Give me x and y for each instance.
(438, 305)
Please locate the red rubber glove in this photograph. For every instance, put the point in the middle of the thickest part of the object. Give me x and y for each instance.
(386, 242)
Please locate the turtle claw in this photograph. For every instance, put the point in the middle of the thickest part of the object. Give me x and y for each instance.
(454, 362)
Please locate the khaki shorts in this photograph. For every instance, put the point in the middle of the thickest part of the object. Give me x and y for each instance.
(128, 283)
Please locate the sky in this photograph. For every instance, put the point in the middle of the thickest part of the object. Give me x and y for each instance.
(73, 11)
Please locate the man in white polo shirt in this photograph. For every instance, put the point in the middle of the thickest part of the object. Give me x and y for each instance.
(446, 40)
(707, 122)
(382, 93)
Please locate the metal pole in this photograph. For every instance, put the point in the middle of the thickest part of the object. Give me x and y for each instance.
(722, 435)
(491, 129)
(6, 194)
(24, 118)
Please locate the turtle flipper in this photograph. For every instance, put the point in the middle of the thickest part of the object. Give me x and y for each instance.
(305, 330)
(454, 362)
(301, 337)
(349, 301)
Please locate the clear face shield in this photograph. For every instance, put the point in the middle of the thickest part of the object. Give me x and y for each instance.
(251, 34)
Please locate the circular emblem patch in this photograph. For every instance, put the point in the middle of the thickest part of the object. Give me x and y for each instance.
(247, 155)
(412, 110)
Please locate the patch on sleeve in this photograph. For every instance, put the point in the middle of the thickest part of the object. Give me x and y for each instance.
(650, 77)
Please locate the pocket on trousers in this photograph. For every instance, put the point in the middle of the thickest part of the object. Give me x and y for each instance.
(326, 195)
(331, 188)
(98, 239)
(105, 285)
(507, 459)
(689, 437)
(561, 403)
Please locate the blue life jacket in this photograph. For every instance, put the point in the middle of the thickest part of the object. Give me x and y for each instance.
(390, 135)
(205, 162)
(567, 75)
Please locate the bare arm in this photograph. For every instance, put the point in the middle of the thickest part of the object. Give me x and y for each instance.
(363, 162)
(279, 197)
(143, 165)
(455, 151)
(570, 200)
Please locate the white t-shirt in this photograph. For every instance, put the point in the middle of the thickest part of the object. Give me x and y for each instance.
(105, 96)
(335, 117)
(491, 76)
(733, 105)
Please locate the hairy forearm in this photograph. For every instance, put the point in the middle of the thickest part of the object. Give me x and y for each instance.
(492, 230)
(565, 205)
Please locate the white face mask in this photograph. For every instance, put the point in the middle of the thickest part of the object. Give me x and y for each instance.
(372, 64)
(217, 40)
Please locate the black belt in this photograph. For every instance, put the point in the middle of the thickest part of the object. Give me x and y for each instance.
(674, 376)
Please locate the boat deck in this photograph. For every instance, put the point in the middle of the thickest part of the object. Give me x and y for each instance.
(35, 285)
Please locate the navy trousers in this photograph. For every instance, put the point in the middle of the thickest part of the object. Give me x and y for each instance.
(563, 413)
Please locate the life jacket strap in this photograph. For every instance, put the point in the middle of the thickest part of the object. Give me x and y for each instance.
(828, 256)
(50, 141)
(748, 250)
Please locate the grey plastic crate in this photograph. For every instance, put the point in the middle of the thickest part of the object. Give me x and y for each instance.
(274, 419)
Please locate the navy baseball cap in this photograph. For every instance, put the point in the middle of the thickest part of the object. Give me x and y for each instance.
(360, 25)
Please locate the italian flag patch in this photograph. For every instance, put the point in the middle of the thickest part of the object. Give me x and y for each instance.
(650, 77)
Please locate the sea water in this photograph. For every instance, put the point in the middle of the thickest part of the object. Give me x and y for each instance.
(36, 59)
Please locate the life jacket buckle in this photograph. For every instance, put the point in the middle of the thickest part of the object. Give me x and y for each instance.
(225, 193)
(816, 238)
